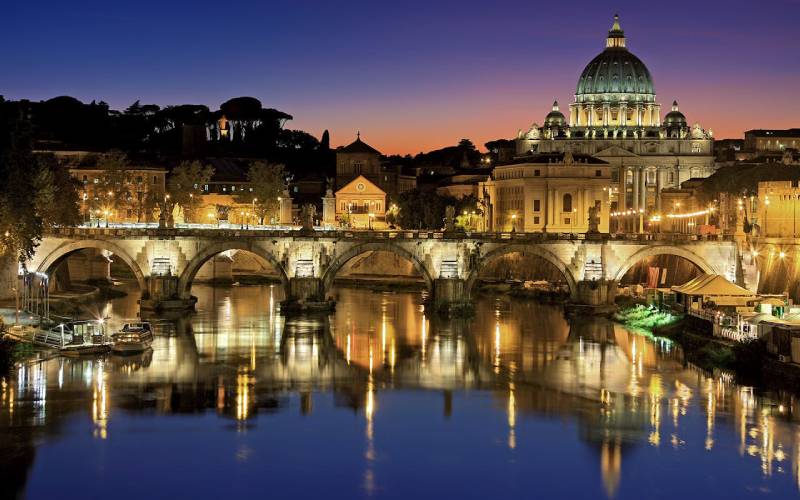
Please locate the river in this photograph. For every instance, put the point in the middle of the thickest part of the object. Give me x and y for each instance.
(379, 401)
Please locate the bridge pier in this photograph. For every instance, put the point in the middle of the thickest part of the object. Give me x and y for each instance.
(594, 296)
(449, 295)
(162, 295)
(306, 293)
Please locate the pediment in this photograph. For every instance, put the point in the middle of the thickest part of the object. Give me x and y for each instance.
(361, 186)
(615, 152)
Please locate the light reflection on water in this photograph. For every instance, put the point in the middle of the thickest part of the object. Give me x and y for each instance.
(379, 400)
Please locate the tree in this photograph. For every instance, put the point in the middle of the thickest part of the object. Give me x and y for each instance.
(34, 194)
(113, 194)
(418, 209)
(185, 187)
(268, 182)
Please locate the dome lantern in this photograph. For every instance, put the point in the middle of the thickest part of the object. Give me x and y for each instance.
(616, 37)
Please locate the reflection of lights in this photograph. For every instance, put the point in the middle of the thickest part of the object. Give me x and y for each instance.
(100, 404)
(512, 417)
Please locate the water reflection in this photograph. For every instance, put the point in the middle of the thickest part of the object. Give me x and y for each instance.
(379, 356)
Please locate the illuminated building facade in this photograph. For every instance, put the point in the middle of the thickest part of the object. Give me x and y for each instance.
(778, 209)
(548, 193)
(615, 117)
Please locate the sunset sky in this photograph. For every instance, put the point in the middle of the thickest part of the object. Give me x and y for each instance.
(411, 75)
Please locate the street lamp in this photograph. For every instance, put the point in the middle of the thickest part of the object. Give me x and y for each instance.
(371, 216)
(254, 210)
(513, 223)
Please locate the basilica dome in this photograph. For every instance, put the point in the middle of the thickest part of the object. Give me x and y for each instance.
(555, 118)
(616, 71)
(675, 118)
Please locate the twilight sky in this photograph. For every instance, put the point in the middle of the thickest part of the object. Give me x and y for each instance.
(411, 75)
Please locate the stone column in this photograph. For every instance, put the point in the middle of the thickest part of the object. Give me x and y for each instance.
(622, 196)
(659, 176)
(643, 189)
(635, 200)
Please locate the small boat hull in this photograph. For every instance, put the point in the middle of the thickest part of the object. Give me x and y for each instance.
(130, 347)
(84, 350)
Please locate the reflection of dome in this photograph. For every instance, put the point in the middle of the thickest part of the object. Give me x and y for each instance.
(674, 118)
(555, 118)
(616, 70)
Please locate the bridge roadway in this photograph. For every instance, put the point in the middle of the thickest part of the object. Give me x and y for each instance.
(165, 261)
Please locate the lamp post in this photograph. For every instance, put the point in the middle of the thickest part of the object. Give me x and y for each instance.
(371, 216)
(254, 210)
(766, 208)
(513, 223)
(105, 212)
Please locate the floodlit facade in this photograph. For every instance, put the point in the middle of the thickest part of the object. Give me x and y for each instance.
(616, 117)
(548, 193)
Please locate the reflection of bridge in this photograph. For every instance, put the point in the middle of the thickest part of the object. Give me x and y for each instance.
(166, 261)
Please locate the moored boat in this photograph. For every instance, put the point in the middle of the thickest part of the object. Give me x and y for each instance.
(133, 338)
(75, 338)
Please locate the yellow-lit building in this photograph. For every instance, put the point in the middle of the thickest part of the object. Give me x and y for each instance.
(145, 186)
(361, 204)
(548, 193)
(778, 211)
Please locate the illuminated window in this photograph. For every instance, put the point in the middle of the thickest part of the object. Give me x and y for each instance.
(566, 203)
(537, 205)
(536, 219)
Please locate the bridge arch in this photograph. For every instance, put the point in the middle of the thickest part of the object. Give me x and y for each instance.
(536, 250)
(340, 260)
(194, 265)
(663, 250)
(67, 248)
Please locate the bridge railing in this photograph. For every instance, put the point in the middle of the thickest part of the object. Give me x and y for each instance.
(135, 231)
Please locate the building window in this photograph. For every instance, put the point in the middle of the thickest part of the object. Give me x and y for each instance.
(672, 178)
(537, 173)
(598, 173)
(651, 177)
(567, 221)
(536, 219)
(566, 203)
(155, 179)
(537, 205)
(85, 179)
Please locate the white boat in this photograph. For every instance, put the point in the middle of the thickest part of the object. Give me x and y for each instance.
(75, 338)
(133, 338)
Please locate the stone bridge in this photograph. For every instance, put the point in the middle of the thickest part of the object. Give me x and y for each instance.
(166, 261)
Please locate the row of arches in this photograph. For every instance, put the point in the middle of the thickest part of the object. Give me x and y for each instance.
(534, 253)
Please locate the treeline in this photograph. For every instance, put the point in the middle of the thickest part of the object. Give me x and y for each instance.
(240, 128)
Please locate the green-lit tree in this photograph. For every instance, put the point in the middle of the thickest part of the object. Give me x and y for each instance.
(267, 181)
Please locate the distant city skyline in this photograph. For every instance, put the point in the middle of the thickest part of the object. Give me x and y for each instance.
(411, 77)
